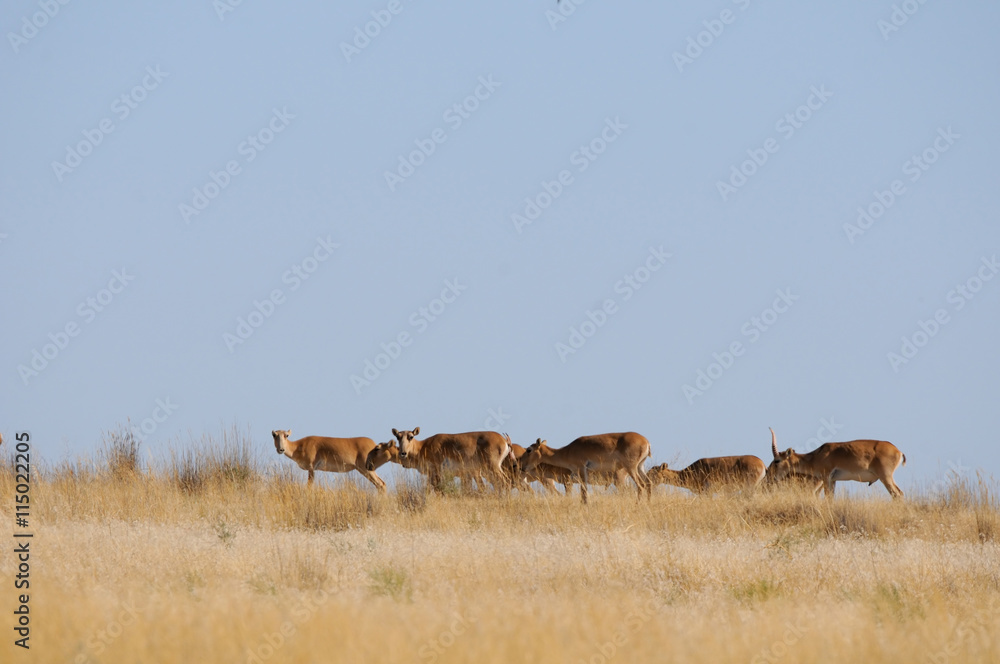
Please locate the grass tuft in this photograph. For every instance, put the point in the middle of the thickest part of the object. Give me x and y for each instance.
(120, 452)
(390, 582)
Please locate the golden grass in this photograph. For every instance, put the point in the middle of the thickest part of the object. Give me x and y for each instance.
(224, 564)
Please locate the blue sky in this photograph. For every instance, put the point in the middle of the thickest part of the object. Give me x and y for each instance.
(357, 191)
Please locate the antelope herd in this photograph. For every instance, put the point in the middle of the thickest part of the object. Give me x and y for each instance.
(611, 458)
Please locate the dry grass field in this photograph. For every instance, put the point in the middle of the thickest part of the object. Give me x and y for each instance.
(206, 558)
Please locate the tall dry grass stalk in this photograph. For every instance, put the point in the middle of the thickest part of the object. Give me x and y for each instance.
(211, 556)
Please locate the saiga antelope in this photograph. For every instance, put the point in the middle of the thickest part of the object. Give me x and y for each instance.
(335, 455)
(713, 473)
(857, 460)
(607, 452)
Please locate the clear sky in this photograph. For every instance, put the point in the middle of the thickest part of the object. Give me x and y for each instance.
(548, 224)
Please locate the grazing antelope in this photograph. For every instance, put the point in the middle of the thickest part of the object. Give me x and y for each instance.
(511, 464)
(713, 473)
(382, 454)
(473, 454)
(857, 460)
(334, 455)
(548, 476)
(609, 452)
(798, 480)
(388, 452)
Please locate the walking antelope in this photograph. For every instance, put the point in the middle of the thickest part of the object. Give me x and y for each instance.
(548, 476)
(857, 460)
(473, 454)
(382, 454)
(607, 452)
(334, 455)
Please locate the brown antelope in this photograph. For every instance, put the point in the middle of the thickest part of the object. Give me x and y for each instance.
(511, 464)
(473, 454)
(335, 455)
(548, 476)
(857, 460)
(713, 473)
(797, 480)
(382, 454)
(388, 452)
(609, 452)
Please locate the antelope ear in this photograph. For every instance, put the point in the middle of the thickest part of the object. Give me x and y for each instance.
(395, 433)
(416, 431)
(288, 433)
(538, 441)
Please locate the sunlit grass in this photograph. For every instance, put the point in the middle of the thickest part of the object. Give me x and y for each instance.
(208, 554)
